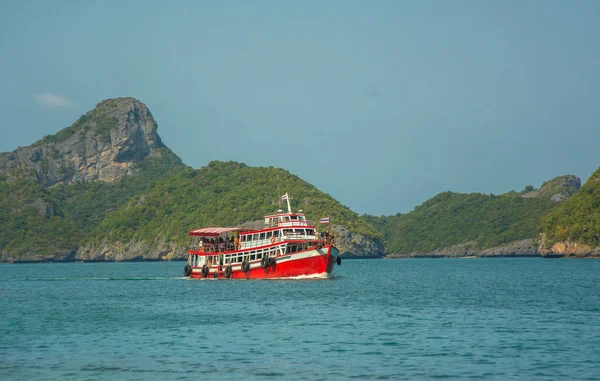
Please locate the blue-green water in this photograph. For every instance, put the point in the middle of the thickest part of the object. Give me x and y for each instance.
(493, 319)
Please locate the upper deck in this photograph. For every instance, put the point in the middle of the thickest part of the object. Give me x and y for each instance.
(278, 228)
(286, 219)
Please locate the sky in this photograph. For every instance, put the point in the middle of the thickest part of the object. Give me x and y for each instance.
(381, 104)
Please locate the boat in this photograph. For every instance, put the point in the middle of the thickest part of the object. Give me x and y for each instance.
(287, 245)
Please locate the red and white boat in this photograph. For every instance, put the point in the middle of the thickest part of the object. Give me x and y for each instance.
(287, 246)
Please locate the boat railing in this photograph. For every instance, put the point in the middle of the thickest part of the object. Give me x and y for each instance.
(221, 247)
(213, 247)
(294, 223)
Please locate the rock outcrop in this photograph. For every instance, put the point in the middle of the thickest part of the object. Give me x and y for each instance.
(130, 251)
(558, 189)
(567, 249)
(104, 144)
(521, 248)
(355, 245)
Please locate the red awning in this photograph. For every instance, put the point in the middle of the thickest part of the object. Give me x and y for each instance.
(214, 231)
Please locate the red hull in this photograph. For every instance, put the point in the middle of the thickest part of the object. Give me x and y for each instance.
(309, 262)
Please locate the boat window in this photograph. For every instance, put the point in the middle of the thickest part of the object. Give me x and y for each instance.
(255, 237)
(276, 233)
(262, 235)
(301, 218)
(243, 238)
(287, 231)
(310, 232)
(294, 217)
(252, 255)
(269, 234)
(299, 231)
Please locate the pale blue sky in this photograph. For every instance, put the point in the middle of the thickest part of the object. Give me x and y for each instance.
(381, 104)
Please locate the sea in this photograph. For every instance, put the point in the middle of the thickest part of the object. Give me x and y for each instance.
(402, 319)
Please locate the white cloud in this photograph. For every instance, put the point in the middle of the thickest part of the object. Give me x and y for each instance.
(50, 100)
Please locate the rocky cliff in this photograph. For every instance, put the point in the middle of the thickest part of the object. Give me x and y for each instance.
(104, 144)
(521, 248)
(567, 249)
(353, 245)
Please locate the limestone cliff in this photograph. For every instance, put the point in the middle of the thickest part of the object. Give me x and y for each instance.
(355, 245)
(133, 250)
(104, 144)
(567, 249)
(521, 248)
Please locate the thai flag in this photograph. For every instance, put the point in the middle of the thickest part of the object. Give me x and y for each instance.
(324, 220)
(284, 197)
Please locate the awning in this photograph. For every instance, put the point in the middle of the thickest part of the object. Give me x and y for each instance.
(214, 231)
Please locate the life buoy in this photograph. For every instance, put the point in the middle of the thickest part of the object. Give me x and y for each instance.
(228, 271)
(245, 266)
(202, 249)
(264, 262)
(187, 270)
(205, 271)
(272, 239)
(215, 274)
(271, 261)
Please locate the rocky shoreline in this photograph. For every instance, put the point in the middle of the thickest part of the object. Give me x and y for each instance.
(526, 248)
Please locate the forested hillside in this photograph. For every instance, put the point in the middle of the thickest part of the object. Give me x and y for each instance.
(107, 188)
(574, 226)
(39, 223)
(476, 220)
(219, 194)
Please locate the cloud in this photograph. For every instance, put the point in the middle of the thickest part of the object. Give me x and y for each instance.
(50, 100)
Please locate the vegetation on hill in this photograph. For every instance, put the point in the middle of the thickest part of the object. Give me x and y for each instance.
(576, 219)
(450, 218)
(38, 222)
(220, 194)
(32, 225)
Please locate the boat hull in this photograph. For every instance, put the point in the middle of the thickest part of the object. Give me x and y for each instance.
(313, 261)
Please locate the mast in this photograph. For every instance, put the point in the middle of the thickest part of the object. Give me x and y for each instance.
(288, 202)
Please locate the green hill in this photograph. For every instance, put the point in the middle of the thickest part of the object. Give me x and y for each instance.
(450, 219)
(477, 220)
(107, 188)
(220, 194)
(575, 222)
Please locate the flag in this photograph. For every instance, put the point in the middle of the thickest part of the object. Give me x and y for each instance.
(324, 220)
(284, 197)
